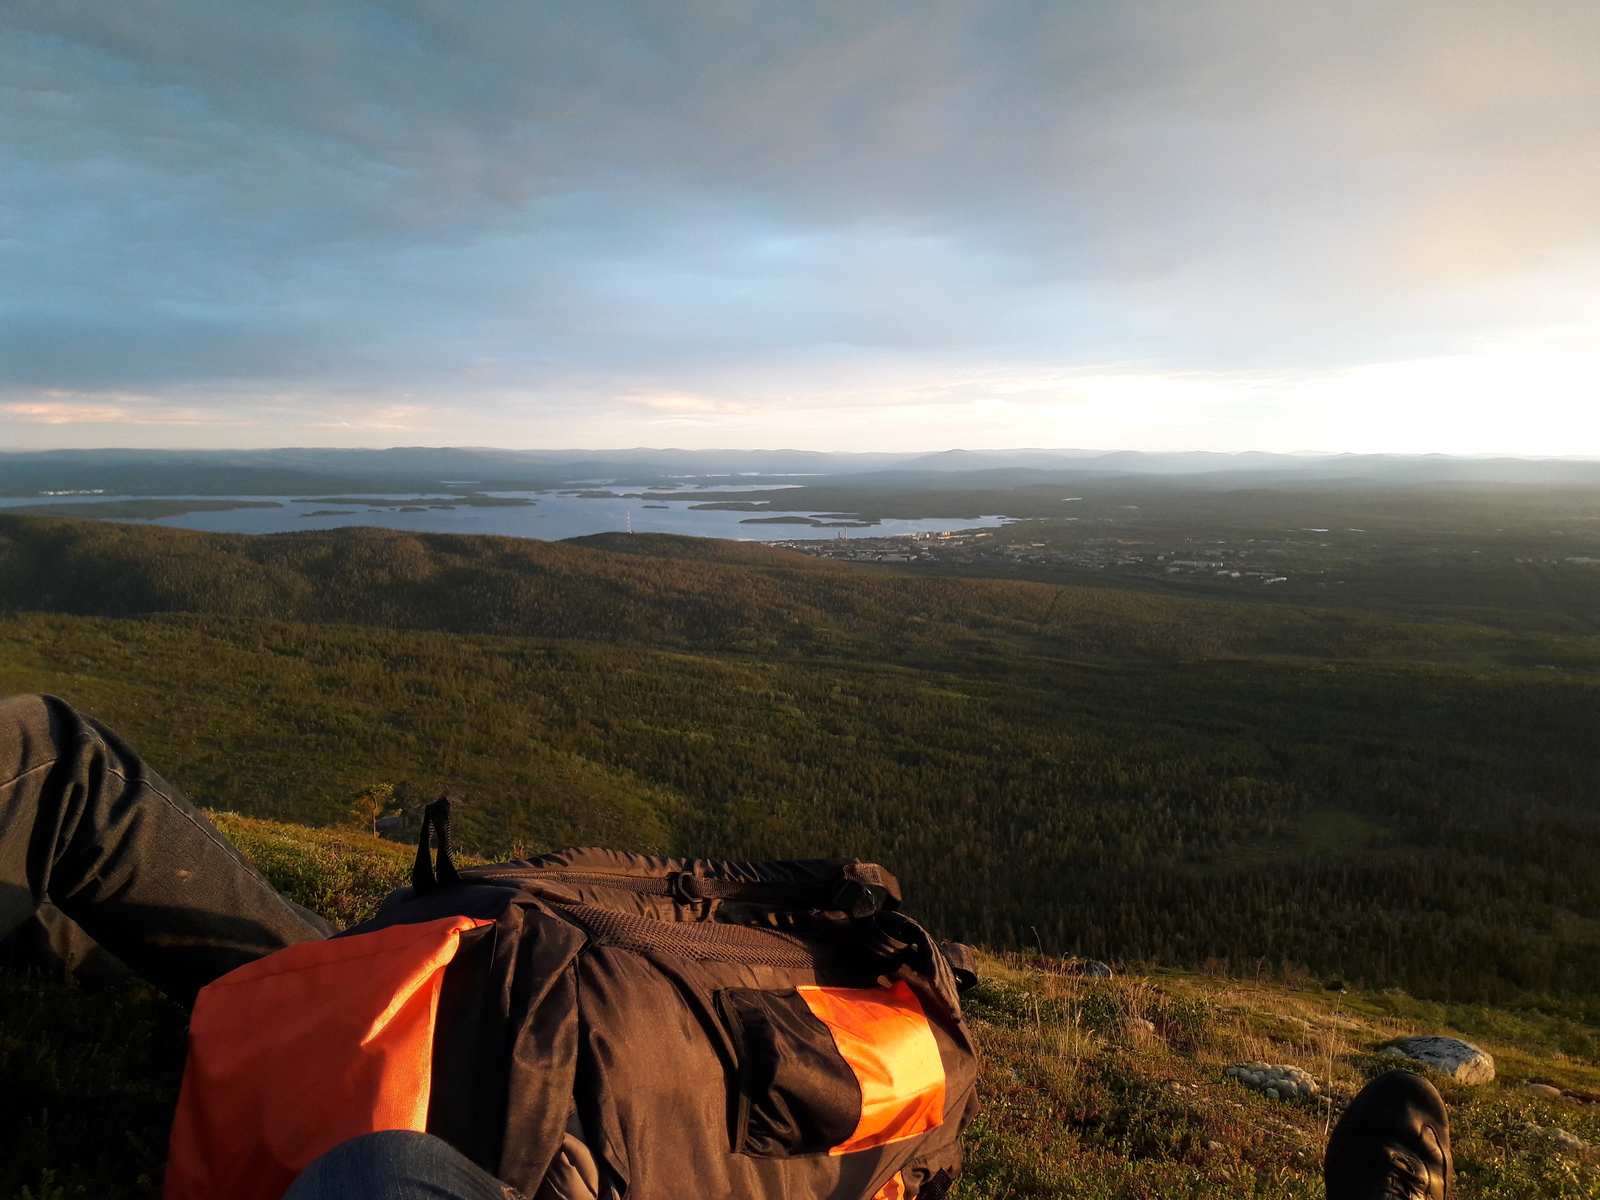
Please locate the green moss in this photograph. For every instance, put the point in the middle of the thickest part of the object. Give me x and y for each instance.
(341, 874)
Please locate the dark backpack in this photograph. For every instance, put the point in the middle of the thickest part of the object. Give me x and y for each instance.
(599, 1024)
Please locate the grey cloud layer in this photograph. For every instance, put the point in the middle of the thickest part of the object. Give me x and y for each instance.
(360, 193)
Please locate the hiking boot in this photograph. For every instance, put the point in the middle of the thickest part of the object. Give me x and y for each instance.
(1392, 1143)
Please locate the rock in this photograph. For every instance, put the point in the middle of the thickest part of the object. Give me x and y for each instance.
(1461, 1061)
(1543, 1089)
(1276, 1083)
(1567, 1141)
(1090, 969)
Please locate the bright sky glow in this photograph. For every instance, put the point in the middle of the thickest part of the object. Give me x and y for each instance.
(905, 225)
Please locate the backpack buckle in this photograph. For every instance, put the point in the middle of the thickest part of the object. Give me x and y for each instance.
(684, 887)
(855, 900)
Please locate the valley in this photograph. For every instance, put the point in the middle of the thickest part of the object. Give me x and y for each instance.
(1100, 771)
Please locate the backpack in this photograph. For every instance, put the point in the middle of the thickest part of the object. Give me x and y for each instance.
(591, 1025)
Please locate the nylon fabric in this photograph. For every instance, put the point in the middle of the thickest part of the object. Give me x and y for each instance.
(884, 1036)
(797, 1094)
(703, 941)
(293, 1054)
(895, 1189)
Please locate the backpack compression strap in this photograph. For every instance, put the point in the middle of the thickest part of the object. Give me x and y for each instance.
(860, 890)
(424, 875)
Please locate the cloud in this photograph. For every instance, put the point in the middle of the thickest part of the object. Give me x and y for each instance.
(66, 414)
(518, 212)
(96, 412)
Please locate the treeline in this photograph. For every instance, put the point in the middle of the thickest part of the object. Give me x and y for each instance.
(1422, 825)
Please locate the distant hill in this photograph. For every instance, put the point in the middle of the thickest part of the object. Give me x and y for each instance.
(297, 471)
(696, 549)
(651, 589)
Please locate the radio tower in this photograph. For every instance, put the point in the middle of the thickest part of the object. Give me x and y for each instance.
(630, 520)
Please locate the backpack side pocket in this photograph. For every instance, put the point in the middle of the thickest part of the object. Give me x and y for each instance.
(831, 1070)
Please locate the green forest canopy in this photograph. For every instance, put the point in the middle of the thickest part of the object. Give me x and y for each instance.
(1102, 772)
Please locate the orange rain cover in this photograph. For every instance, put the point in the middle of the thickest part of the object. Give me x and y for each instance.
(306, 1048)
(883, 1034)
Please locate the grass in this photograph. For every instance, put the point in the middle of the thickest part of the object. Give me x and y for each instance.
(1115, 1088)
(1094, 1089)
(338, 873)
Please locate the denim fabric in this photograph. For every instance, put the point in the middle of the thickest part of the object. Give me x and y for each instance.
(396, 1164)
(88, 827)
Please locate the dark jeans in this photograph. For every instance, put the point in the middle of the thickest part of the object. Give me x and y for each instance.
(396, 1165)
(93, 842)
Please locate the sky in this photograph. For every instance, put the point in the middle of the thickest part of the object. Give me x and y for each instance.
(846, 225)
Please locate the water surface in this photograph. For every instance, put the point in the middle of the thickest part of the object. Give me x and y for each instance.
(550, 517)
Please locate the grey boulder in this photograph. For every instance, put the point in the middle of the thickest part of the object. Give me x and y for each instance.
(1461, 1061)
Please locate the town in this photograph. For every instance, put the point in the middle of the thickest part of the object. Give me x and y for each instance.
(989, 547)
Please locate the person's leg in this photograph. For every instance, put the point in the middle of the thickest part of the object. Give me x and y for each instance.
(1392, 1143)
(396, 1164)
(51, 944)
(84, 822)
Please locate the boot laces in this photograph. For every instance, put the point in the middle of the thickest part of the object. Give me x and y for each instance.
(1408, 1178)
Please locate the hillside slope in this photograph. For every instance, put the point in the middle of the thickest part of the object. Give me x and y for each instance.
(1088, 771)
(690, 593)
(1426, 827)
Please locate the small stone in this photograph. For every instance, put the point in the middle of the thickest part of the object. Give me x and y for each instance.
(1213, 1145)
(1567, 1141)
(1270, 1093)
(1462, 1061)
(1091, 969)
(1543, 1089)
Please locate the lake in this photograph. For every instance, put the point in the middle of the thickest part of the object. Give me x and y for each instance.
(550, 517)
